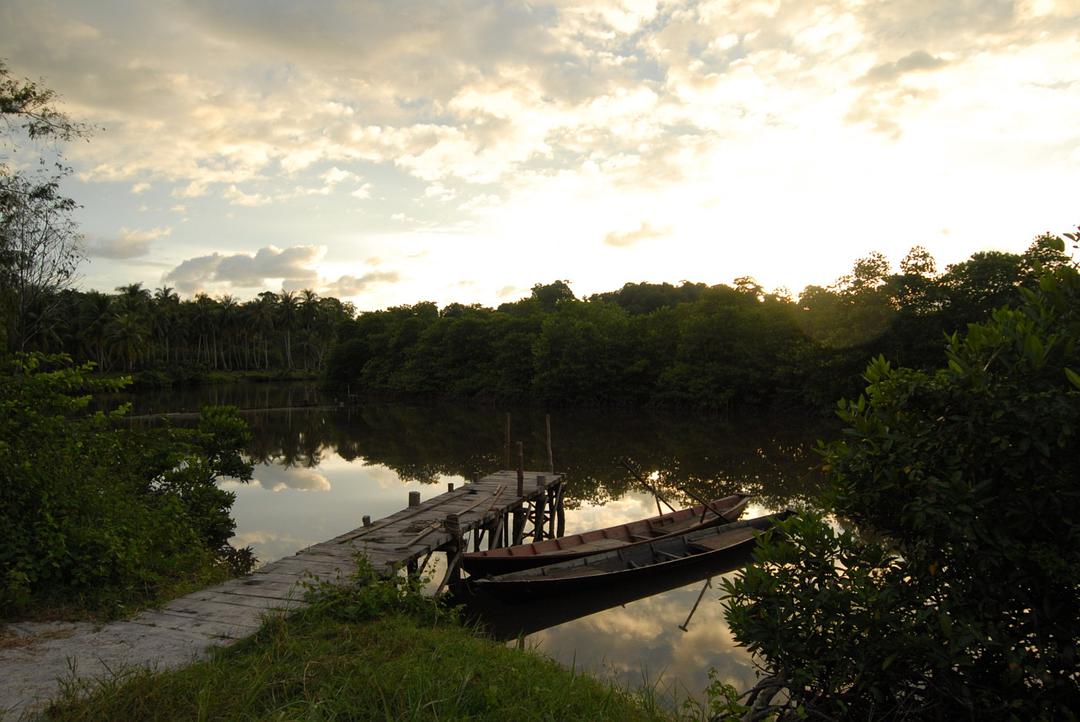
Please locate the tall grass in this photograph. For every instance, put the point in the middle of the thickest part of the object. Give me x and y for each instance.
(374, 651)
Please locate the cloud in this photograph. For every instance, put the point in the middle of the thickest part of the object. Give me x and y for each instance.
(353, 286)
(629, 238)
(363, 192)
(336, 175)
(920, 60)
(291, 266)
(237, 197)
(129, 243)
(140, 187)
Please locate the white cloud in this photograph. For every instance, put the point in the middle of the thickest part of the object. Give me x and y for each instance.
(643, 232)
(237, 197)
(128, 243)
(140, 187)
(293, 267)
(353, 286)
(336, 175)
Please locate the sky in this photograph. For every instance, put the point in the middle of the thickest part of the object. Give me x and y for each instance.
(461, 151)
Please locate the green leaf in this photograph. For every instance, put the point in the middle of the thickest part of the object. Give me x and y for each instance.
(1074, 378)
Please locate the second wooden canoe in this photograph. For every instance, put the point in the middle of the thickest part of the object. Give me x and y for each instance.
(505, 560)
(630, 563)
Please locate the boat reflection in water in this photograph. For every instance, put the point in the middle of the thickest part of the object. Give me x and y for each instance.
(511, 619)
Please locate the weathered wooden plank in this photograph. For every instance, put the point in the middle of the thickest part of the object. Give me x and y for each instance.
(212, 611)
(246, 600)
(212, 628)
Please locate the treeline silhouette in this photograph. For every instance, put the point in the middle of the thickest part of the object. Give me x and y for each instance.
(136, 330)
(690, 345)
(708, 347)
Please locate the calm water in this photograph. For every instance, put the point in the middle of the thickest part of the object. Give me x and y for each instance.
(321, 467)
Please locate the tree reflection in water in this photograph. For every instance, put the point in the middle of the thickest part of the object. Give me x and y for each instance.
(326, 465)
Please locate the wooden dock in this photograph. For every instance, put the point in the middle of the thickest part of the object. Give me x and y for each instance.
(492, 511)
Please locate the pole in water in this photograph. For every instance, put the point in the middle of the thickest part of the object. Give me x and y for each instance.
(684, 626)
(507, 441)
(551, 459)
(414, 498)
(521, 469)
(367, 520)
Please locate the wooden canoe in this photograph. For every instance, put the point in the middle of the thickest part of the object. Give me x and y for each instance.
(630, 563)
(505, 560)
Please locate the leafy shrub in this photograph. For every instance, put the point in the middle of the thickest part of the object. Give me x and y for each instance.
(970, 475)
(94, 513)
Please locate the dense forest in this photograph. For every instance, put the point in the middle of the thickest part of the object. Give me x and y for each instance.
(712, 347)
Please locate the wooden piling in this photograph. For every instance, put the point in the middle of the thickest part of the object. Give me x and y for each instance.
(414, 498)
(521, 469)
(551, 458)
(508, 465)
(560, 511)
(539, 507)
(449, 486)
(366, 520)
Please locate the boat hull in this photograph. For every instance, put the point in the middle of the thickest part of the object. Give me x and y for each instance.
(506, 560)
(621, 566)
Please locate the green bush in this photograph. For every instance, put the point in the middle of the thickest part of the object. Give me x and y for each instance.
(96, 514)
(970, 477)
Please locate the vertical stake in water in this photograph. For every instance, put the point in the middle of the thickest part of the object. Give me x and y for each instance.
(507, 442)
(519, 512)
(541, 507)
(551, 459)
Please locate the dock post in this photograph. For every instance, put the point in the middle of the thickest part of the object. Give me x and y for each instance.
(449, 486)
(521, 469)
(539, 507)
(560, 511)
(414, 498)
(553, 503)
(453, 554)
(507, 441)
(551, 459)
(367, 520)
(519, 525)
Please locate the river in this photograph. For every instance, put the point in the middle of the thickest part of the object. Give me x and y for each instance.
(321, 464)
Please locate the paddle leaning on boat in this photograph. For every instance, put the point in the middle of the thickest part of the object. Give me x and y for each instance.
(505, 560)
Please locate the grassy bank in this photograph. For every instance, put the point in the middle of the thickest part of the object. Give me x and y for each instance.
(374, 652)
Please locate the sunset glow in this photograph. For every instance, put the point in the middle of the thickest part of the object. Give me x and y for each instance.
(395, 152)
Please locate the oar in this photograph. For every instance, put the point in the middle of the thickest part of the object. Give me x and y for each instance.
(704, 502)
(648, 486)
(684, 626)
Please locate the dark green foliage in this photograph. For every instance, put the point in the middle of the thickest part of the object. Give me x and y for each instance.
(969, 474)
(97, 514)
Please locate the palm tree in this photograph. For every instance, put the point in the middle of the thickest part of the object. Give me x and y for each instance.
(230, 311)
(286, 317)
(264, 322)
(126, 334)
(309, 313)
(165, 316)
